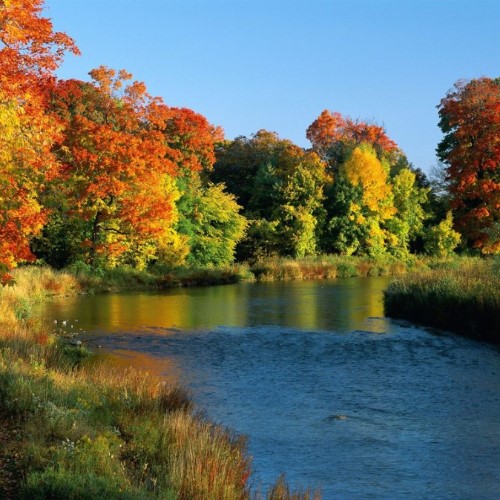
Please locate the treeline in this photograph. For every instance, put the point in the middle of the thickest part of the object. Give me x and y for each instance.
(102, 174)
(353, 193)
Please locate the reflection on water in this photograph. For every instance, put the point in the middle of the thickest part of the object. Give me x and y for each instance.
(140, 361)
(325, 387)
(342, 305)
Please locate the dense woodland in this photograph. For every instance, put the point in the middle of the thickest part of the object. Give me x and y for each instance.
(99, 173)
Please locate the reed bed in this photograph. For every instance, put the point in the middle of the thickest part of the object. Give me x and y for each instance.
(329, 267)
(464, 297)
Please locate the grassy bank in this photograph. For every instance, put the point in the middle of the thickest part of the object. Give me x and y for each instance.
(80, 429)
(460, 295)
(277, 269)
(158, 277)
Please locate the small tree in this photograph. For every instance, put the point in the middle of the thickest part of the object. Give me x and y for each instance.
(442, 239)
(210, 219)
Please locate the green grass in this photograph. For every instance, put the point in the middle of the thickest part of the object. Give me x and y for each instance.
(461, 296)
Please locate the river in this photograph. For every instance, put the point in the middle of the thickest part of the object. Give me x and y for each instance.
(326, 388)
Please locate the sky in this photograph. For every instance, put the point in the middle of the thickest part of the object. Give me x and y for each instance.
(249, 65)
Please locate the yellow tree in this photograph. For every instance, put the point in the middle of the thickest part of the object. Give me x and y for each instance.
(364, 170)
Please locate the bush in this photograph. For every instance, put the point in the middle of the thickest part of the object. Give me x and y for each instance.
(441, 240)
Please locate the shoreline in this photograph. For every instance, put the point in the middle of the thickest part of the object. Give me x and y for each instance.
(87, 427)
(90, 430)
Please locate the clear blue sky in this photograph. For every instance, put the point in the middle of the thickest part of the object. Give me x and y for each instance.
(277, 64)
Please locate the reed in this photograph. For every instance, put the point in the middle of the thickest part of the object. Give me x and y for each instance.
(281, 491)
(31, 285)
(329, 267)
(463, 297)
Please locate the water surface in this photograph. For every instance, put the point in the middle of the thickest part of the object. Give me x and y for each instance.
(326, 388)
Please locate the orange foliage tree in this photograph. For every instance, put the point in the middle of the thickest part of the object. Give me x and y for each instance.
(334, 136)
(193, 138)
(470, 119)
(29, 53)
(115, 163)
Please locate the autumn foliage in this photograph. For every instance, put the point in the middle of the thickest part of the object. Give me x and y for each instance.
(29, 53)
(113, 161)
(331, 130)
(470, 120)
(102, 172)
(192, 137)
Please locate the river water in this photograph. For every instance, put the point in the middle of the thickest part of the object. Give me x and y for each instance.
(326, 388)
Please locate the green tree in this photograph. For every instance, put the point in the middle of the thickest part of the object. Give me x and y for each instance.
(210, 219)
(441, 239)
(409, 201)
(300, 206)
(281, 189)
(239, 161)
(344, 228)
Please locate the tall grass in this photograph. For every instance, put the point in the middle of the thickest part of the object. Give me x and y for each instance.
(281, 491)
(32, 284)
(328, 267)
(87, 430)
(461, 296)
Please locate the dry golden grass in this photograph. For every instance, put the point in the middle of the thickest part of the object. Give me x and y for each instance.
(31, 285)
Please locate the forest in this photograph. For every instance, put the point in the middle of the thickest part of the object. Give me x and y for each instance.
(100, 174)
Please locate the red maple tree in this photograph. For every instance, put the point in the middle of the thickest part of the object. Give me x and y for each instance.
(114, 159)
(470, 119)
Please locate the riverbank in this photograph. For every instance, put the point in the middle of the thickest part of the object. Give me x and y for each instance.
(277, 269)
(463, 297)
(78, 428)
